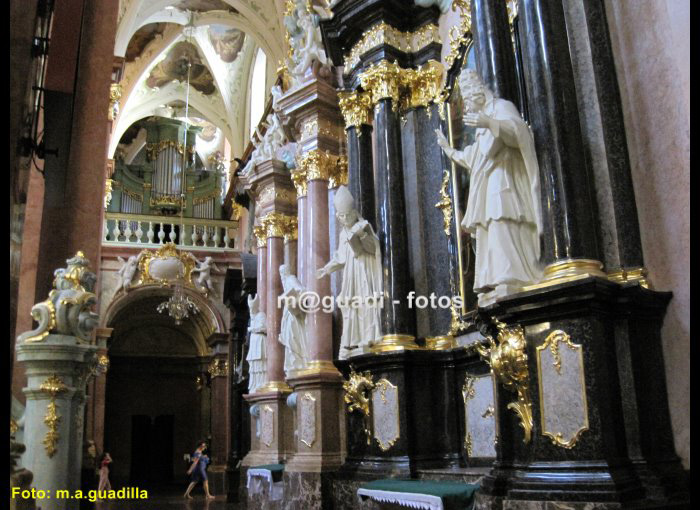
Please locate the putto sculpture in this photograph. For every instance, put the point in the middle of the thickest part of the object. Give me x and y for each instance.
(204, 282)
(503, 209)
(128, 271)
(359, 256)
(293, 327)
(67, 311)
(306, 43)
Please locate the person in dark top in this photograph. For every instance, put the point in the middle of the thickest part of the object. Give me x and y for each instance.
(198, 471)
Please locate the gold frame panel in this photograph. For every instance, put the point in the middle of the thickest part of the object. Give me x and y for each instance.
(382, 386)
(552, 343)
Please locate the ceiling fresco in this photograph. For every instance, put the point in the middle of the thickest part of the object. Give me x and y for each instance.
(227, 42)
(174, 68)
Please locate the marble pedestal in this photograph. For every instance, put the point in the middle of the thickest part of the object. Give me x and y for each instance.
(601, 386)
(274, 445)
(57, 369)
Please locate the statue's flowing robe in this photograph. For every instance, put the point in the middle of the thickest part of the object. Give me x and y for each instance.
(503, 208)
(293, 330)
(362, 280)
(257, 361)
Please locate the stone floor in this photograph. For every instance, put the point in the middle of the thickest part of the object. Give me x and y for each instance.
(167, 499)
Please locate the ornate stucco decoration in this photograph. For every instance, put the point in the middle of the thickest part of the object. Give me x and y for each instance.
(357, 390)
(166, 265)
(508, 362)
(382, 33)
(318, 165)
(562, 389)
(383, 80)
(339, 173)
(260, 236)
(267, 425)
(108, 192)
(115, 94)
(53, 385)
(67, 309)
(385, 404)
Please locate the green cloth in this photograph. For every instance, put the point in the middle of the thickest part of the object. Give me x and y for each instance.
(454, 495)
(275, 469)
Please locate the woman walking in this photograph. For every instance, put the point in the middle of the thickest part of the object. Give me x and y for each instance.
(198, 471)
(104, 484)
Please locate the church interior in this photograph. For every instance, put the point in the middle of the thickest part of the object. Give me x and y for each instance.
(349, 254)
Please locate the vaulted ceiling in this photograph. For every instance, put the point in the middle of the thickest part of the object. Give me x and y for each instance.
(220, 38)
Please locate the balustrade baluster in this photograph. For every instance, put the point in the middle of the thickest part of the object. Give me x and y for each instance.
(161, 234)
(139, 233)
(150, 232)
(115, 231)
(171, 236)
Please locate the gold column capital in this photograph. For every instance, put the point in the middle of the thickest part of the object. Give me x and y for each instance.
(339, 173)
(317, 165)
(260, 237)
(277, 224)
(356, 107)
(299, 179)
(291, 229)
(423, 85)
(383, 80)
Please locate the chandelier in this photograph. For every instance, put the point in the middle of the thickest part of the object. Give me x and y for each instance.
(178, 306)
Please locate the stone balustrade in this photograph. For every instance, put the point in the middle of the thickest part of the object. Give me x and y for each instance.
(121, 229)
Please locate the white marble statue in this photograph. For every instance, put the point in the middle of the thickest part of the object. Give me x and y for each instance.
(274, 137)
(503, 209)
(204, 282)
(305, 40)
(293, 327)
(127, 271)
(256, 358)
(359, 256)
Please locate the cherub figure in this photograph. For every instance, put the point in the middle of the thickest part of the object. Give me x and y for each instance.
(204, 282)
(127, 271)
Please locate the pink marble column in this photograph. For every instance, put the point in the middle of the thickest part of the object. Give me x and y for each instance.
(318, 323)
(301, 240)
(262, 277)
(274, 349)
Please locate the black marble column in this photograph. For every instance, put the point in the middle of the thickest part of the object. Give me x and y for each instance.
(494, 50)
(567, 200)
(360, 171)
(397, 318)
(424, 171)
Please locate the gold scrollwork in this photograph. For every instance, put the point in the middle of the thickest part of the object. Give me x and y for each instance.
(218, 368)
(629, 275)
(236, 211)
(108, 192)
(383, 33)
(115, 94)
(339, 173)
(508, 362)
(445, 203)
(318, 165)
(153, 149)
(552, 343)
(53, 385)
(383, 81)
(357, 390)
(382, 387)
(461, 32)
(422, 86)
(167, 201)
(468, 393)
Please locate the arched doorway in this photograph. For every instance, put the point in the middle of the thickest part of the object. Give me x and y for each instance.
(157, 401)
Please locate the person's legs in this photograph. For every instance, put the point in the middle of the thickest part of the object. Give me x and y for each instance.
(206, 489)
(189, 489)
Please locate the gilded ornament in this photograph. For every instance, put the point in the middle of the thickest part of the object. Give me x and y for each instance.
(166, 251)
(261, 238)
(356, 107)
(153, 149)
(357, 390)
(440, 343)
(383, 80)
(276, 224)
(318, 165)
(206, 198)
(508, 362)
(236, 211)
(115, 94)
(339, 173)
(456, 322)
(422, 86)
(167, 201)
(460, 33)
(552, 342)
(445, 203)
(386, 413)
(568, 270)
(53, 385)
(468, 393)
(383, 33)
(218, 368)
(299, 179)
(630, 275)
(307, 412)
(108, 192)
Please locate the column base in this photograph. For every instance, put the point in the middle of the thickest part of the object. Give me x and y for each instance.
(568, 270)
(395, 342)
